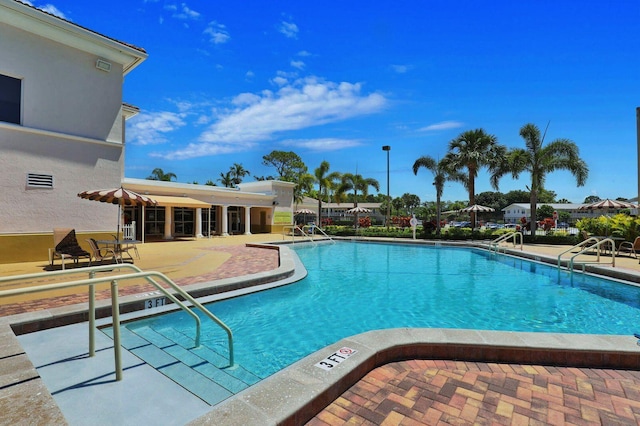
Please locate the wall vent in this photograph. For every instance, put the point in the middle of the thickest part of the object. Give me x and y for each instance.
(39, 180)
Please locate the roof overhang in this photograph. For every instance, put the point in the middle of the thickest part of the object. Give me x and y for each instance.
(173, 201)
(35, 21)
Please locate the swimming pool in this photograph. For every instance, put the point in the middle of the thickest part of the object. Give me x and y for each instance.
(356, 287)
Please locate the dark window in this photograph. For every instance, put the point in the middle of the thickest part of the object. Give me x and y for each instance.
(10, 91)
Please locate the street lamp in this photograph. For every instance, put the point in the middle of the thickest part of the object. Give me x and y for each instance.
(387, 148)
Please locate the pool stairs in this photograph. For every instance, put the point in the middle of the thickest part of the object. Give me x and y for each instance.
(202, 371)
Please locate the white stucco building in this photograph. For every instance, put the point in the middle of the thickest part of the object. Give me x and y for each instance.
(514, 212)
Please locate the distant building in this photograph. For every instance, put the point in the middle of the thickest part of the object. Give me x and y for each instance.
(514, 212)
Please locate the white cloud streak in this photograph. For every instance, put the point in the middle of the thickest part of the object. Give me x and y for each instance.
(217, 33)
(289, 29)
(444, 125)
(322, 144)
(150, 128)
(257, 118)
(183, 12)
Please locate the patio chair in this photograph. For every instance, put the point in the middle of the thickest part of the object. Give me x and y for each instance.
(65, 246)
(101, 254)
(630, 247)
(123, 246)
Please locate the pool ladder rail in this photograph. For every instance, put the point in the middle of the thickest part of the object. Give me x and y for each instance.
(514, 236)
(590, 244)
(301, 229)
(115, 307)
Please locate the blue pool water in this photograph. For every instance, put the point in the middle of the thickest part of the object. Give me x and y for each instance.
(357, 287)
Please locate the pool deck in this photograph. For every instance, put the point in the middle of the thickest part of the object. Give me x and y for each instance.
(403, 376)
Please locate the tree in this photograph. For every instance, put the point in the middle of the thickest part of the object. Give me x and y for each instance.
(288, 164)
(410, 201)
(559, 154)
(471, 151)
(237, 173)
(159, 174)
(517, 196)
(592, 199)
(563, 201)
(355, 183)
(440, 176)
(326, 182)
(210, 183)
(226, 180)
(544, 212)
(397, 204)
(303, 185)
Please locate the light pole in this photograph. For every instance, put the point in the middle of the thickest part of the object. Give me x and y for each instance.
(387, 148)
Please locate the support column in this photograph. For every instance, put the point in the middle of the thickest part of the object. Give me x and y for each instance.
(168, 223)
(198, 222)
(247, 220)
(224, 222)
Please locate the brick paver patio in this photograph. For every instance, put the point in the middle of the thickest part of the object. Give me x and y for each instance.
(467, 393)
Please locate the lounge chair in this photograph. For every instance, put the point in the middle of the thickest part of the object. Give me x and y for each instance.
(630, 247)
(65, 246)
(101, 254)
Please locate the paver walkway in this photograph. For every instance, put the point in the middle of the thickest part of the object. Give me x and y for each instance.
(467, 393)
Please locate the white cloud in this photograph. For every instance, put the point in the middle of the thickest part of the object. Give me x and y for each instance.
(401, 69)
(249, 75)
(150, 128)
(297, 64)
(256, 118)
(322, 144)
(304, 53)
(49, 8)
(289, 29)
(218, 33)
(183, 12)
(443, 125)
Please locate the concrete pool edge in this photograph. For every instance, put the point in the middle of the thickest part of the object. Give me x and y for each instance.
(296, 394)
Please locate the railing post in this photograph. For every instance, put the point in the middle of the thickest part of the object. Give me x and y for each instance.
(115, 313)
(92, 316)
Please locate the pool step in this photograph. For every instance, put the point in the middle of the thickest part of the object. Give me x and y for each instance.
(202, 371)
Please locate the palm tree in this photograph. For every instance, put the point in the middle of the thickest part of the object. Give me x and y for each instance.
(326, 182)
(559, 154)
(440, 176)
(471, 151)
(238, 172)
(355, 183)
(159, 174)
(303, 186)
(226, 180)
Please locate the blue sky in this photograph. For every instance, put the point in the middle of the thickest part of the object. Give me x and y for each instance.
(228, 82)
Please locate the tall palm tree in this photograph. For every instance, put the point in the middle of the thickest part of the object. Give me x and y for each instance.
(326, 182)
(355, 183)
(538, 160)
(226, 180)
(238, 172)
(440, 176)
(471, 151)
(304, 184)
(159, 174)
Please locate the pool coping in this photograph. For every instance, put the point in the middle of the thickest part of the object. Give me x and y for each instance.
(301, 390)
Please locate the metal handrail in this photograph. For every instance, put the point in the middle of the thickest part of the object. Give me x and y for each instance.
(505, 237)
(314, 227)
(114, 301)
(294, 228)
(597, 245)
(591, 240)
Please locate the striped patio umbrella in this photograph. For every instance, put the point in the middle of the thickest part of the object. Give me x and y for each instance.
(120, 196)
(357, 210)
(608, 204)
(476, 208)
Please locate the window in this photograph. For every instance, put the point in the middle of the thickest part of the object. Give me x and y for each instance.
(183, 221)
(10, 95)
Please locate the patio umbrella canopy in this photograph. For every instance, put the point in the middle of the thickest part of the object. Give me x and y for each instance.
(476, 208)
(357, 210)
(120, 196)
(304, 211)
(608, 204)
